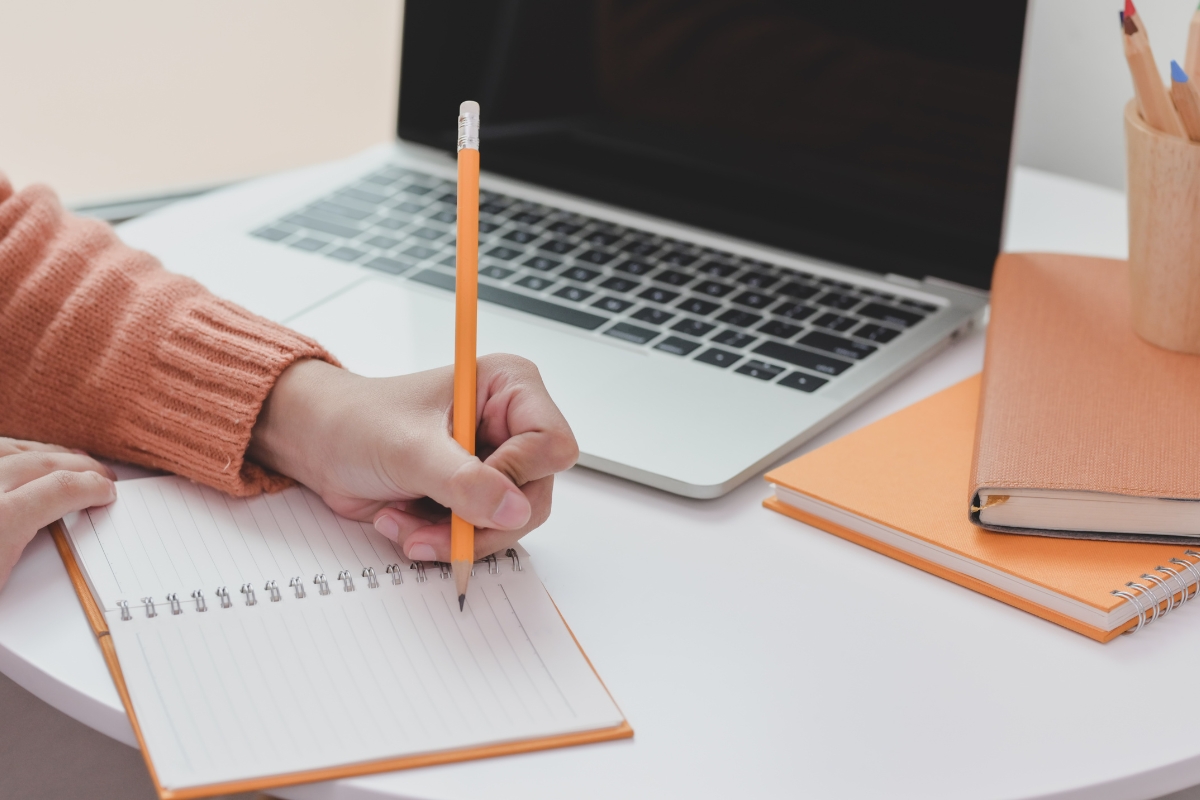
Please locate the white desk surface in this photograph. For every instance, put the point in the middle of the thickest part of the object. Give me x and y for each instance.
(755, 656)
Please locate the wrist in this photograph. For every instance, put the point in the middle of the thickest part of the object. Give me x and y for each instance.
(289, 429)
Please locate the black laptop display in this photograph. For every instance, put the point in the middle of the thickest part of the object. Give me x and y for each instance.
(869, 133)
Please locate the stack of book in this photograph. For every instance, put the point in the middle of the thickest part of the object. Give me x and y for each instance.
(1062, 481)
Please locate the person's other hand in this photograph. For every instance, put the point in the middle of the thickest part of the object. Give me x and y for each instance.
(380, 450)
(40, 483)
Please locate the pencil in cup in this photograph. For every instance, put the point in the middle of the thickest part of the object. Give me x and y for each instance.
(1153, 100)
(1187, 101)
(466, 316)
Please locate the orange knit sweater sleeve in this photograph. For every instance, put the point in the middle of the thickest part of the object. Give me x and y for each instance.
(103, 350)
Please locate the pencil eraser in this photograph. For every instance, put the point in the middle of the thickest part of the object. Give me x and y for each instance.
(468, 107)
(1177, 73)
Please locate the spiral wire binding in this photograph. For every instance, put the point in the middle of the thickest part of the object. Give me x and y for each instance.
(1149, 606)
(492, 563)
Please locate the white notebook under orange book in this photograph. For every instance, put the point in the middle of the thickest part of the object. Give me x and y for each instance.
(900, 486)
(266, 641)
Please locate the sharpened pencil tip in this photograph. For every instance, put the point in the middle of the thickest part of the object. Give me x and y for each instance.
(1177, 73)
(462, 601)
(1129, 9)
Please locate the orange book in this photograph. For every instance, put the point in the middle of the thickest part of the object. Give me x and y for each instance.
(263, 642)
(898, 486)
(1085, 430)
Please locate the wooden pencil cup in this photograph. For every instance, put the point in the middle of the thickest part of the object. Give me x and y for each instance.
(1164, 235)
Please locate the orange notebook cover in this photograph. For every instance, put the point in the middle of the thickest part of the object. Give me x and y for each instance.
(102, 624)
(897, 487)
(1073, 401)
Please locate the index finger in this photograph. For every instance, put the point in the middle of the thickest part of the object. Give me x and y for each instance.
(10, 447)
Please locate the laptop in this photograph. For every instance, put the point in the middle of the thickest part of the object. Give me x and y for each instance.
(715, 227)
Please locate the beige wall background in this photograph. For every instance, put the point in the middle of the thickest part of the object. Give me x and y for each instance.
(115, 99)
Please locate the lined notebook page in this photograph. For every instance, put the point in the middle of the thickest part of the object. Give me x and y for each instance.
(295, 684)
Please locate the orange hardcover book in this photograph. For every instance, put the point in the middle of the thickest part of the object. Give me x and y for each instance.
(897, 486)
(1085, 430)
(264, 642)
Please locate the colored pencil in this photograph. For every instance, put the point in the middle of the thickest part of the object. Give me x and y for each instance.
(1187, 101)
(466, 317)
(1191, 61)
(1153, 100)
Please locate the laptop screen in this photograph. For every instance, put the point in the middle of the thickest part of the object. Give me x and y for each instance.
(866, 132)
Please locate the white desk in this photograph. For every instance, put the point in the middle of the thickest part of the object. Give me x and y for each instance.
(755, 656)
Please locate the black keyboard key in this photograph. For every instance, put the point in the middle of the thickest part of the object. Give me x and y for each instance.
(383, 242)
(535, 282)
(601, 238)
(503, 253)
(574, 294)
(449, 199)
(581, 274)
(448, 217)
(613, 304)
(892, 316)
(449, 261)
(757, 280)
(832, 282)
(635, 267)
(565, 228)
(780, 330)
(487, 227)
(760, 369)
(620, 284)
(520, 236)
(420, 253)
(803, 358)
(717, 357)
(876, 333)
(272, 234)
(520, 302)
(676, 345)
(490, 208)
(838, 301)
(356, 214)
(800, 290)
(408, 208)
(640, 248)
(692, 327)
(631, 333)
(928, 308)
(385, 264)
(677, 258)
(837, 345)
(499, 273)
(595, 257)
(654, 316)
(735, 339)
(429, 234)
(542, 263)
(712, 289)
(417, 189)
(793, 310)
(658, 295)
(835, 322)
(366, 197)
(743, 319)
(528, 218)
(346, 254)
(557, 246)
(309, 243)
(754, 299)
(716, 269)
(672, 278)
(805, 383)
(312, 223)
(391, 223)
(695, 305)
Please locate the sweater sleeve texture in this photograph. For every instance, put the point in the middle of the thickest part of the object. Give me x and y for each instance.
(103, 350)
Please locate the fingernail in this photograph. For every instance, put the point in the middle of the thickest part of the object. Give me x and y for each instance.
(513, 511)
(112, 476)
(388, 527)
(422, 552)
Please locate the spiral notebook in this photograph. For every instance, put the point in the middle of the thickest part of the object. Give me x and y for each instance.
(900, 486)
(263, 642)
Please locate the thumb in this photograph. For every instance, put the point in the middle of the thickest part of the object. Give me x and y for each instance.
(481, 495)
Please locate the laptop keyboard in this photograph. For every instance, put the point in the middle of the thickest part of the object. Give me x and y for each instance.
(751, 317)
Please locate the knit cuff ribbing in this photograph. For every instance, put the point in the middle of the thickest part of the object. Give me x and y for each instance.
(208, 376)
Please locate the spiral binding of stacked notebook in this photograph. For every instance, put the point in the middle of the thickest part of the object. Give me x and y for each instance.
(1149, 605)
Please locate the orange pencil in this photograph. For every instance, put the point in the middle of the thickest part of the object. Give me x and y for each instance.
(466, 315)
(1191, 61)
(1153, 100)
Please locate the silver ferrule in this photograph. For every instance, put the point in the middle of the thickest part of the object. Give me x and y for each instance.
(468, 132)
